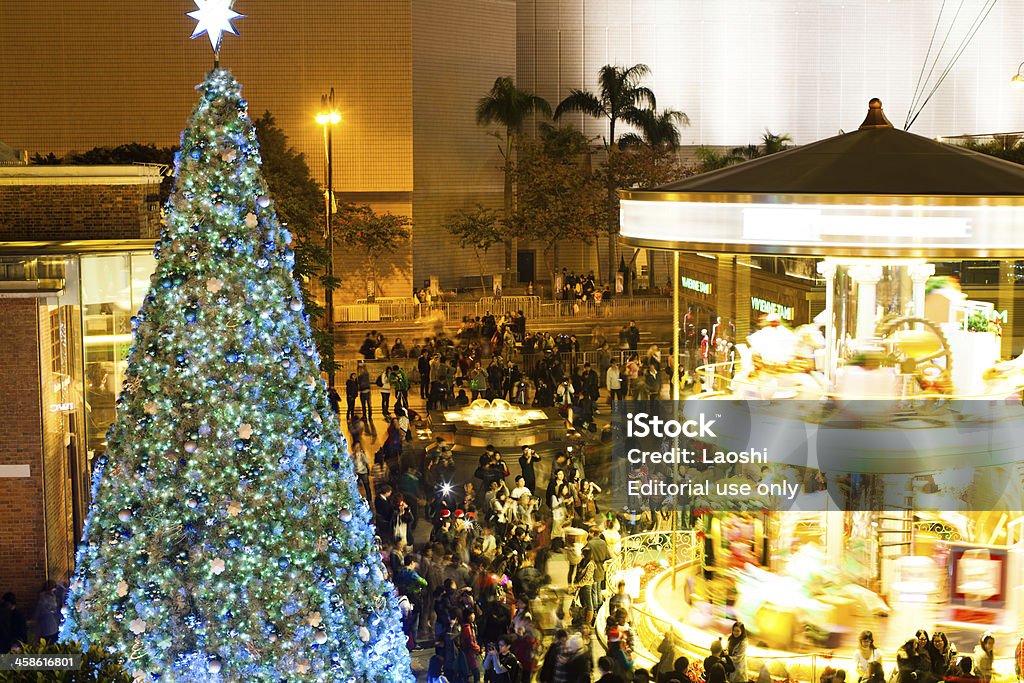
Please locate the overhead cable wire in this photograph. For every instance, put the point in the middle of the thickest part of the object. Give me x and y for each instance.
(924, 62)
(964, 44)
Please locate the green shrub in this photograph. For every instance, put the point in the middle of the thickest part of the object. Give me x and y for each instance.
(98, 666)
(978, 322)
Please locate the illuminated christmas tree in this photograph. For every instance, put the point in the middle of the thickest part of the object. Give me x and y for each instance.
(227, 540)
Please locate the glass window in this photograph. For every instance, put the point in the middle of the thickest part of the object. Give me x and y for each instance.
(113, 287)
(143, 265)
(106, 337)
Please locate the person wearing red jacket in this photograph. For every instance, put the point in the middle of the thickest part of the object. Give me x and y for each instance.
(470, 648)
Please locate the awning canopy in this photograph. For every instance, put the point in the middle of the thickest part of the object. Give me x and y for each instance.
(876, 191)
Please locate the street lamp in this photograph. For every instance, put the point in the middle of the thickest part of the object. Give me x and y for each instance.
(328, 117)
(1018, 78)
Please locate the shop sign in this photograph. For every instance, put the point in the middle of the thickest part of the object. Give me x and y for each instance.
(61, 407)
(764, 306)
(696, 285)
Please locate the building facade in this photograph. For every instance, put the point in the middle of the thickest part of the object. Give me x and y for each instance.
(737, 67)
(69, 285)
(407, 75)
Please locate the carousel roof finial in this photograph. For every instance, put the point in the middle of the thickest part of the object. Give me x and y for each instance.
(876, 117)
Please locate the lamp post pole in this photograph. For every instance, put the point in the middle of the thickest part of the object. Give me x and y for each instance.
(328, 117)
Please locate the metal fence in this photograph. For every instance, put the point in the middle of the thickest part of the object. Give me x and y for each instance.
(637, 550)
(636, 307)
(527, 362)
(402, 309)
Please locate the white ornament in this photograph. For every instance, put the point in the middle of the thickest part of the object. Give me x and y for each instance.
(346, 515)
(150, 408)
(364, 634)
(214, 665)
(250, 220)
(320, 637)
(302, 666)
(263, 201)
(138, 626)
(234, 508)
(217, 566)
(245, 431)
(124, 515)
(214, 285)
(191, 446)
(122, 589)
(295, 304)
(214, 17)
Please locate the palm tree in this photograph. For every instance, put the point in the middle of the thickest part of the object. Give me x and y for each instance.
(509, 106)
(621, 98)
(774, 143)
(708, 159)
(770, 144)
(658, 129)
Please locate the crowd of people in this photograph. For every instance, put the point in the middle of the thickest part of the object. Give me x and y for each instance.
(582, 288)
(15, 629)
(471, 588)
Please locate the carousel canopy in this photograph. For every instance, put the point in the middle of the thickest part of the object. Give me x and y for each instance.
(876, 191)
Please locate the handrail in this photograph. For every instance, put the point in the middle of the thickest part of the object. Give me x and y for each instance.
(651, 623)
(711, 371)
(409, 309)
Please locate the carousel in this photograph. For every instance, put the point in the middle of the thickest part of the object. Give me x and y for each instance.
(910, 507)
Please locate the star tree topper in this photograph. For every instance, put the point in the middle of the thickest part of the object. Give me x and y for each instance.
(214, 17)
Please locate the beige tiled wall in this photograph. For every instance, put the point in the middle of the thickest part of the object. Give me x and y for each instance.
(459, 48)
(77, 75)
(407, 75)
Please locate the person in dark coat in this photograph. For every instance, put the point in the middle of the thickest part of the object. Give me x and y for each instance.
(526, 461)
(714, 664)
(590, 383)
(385, 514)
(607, 668)
(13, 627)
(351, 396)
(573, 662)
(423, 366)
(632, 336)
(500, 665)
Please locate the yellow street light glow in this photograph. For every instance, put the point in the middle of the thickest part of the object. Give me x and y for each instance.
(1017, 80)
(323, 118)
